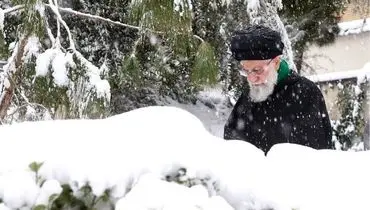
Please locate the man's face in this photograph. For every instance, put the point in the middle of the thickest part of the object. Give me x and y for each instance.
(261, 76)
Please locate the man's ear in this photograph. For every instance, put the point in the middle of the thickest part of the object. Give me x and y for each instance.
(277, 61)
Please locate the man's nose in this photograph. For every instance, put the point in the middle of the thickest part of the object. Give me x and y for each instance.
(252, 78)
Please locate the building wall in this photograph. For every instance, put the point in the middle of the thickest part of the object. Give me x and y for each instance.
(330, 93)
(347, 53)
(355, 11)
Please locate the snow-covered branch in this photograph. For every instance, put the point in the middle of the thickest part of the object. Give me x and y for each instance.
(71, 11)
(54, 8)
(50, 34)
(13, 9)
(198, 37)
(58, 22)
(5, 11)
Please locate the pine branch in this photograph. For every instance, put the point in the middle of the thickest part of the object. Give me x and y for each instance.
(81, 14)
(71, 11)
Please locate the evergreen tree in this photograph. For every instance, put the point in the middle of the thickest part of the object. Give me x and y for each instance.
(216, 21)
(143, 48)
(311, 22)
(266, 13)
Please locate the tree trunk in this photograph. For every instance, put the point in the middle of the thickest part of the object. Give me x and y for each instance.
(14, 80)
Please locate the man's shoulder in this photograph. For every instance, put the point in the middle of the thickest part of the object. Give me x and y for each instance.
(304, 84)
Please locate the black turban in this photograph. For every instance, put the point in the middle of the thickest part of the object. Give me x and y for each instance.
(257, 42)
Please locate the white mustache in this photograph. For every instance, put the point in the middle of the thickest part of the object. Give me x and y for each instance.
(261, 91)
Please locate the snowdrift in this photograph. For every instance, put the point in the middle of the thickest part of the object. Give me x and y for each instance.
(163, 158)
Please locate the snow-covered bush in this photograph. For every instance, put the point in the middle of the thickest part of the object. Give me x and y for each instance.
(163, 158)
(95, 174)
(348, 129)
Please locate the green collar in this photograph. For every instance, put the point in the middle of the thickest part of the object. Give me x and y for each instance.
(284, 71)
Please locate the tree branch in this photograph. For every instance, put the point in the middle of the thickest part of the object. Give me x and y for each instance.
(58, 22)
(71, 11)
(59, 17)
(11, 70)
(13, 9)
(198, 37)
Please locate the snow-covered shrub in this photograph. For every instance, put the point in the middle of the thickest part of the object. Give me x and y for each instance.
(157, 157)
(347, 130)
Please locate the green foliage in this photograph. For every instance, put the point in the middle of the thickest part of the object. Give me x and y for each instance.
(67, 199)
(215, 24)
(317, 19)
(313, 21)
(83, 199)
(140, 71)
(131, 70)
(206, 65)
(43, 90)
(3, 48)
(162, 17)
(32, 22)
(39, 207)
(35, 167)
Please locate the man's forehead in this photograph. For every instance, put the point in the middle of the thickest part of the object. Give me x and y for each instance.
(252, 62)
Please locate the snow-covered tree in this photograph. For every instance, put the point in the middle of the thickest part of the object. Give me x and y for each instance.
(310, 22)
(77, 68)
(46, 76)
(216, 21)
(266, 12)
(349, 128)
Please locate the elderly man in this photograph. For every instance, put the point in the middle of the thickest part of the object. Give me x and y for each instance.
(280, 105)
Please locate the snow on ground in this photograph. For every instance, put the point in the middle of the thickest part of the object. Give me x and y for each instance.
(211, 108)
(113, 153)
(132, 154)
(354, 26)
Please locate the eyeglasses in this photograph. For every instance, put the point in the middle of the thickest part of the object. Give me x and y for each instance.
(245, 72)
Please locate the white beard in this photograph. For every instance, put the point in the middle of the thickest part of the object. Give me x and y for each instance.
(259, 93)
